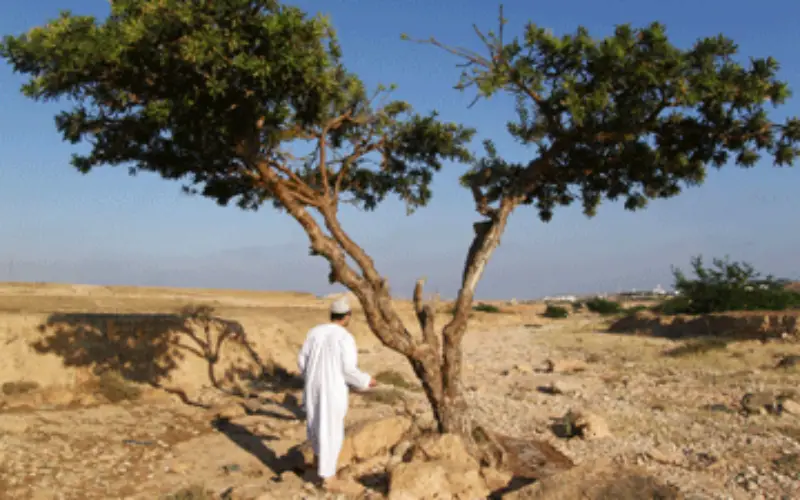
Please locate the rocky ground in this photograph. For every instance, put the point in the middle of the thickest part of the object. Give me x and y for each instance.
(714, 420)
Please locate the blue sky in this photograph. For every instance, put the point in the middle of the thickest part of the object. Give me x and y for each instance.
(108, 228)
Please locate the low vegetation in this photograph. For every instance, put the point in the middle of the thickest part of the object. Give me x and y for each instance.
(486, 308)
(17, 387)
(396, 379)
(391, 397)
(728, 286)
(603, 306)
(191, 493)
(115, 388)
(555, 312)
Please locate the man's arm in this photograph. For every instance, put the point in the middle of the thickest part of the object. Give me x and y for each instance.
(302, 358)
(352, 375)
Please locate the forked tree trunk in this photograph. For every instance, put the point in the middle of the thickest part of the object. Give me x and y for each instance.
(436, 359)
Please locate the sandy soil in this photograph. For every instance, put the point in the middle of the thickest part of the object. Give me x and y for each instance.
(84, 413)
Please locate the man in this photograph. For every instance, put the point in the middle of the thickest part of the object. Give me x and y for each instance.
(328, 363)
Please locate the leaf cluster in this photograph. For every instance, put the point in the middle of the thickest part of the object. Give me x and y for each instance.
(212, 93)
(629, 116)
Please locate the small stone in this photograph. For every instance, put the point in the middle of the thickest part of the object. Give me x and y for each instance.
(495, 479)
(758, 402)
(791, 407)
(565, 365)
(562, 386)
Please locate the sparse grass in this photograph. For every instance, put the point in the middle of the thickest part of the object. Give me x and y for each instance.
(115, 388)
(396, 379)
(389, 397)
(486, 308)
(555, 312)
(193, 492)
(17, 387)
(788, 465)
(635, 309)
(697, 347)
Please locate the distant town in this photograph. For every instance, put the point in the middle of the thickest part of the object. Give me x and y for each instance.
(632, 294)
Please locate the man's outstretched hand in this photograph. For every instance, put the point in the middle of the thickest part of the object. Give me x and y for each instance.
(372, 382)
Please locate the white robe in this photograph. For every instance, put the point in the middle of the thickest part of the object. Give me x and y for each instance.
(328, 362)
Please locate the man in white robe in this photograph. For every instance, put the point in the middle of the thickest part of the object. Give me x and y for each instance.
(328, 362)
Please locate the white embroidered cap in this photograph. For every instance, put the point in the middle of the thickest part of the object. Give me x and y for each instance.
(340, 306)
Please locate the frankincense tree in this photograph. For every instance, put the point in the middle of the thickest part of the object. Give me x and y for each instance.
(247, 101)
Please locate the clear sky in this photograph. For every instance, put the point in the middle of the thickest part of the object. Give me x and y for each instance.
(108, 228)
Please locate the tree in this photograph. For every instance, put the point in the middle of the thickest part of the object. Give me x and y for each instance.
(226, 97)
(728, 286)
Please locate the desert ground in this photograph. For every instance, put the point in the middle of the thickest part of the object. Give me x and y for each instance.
(122, 392)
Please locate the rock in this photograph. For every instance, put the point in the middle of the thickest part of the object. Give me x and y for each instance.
(13, 424)
(759, 403)
(787, 362)
(362, 441)
(523, 369)
(598, 480)
(444, 447)
(665, 457)
(564, 386)
(227, 411)
(495, 479)
(565, 365)
(436, 480)
(587, 425)
(592, 426)
(791, 407)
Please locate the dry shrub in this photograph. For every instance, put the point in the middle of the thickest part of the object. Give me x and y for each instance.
(385, 396)
(396, 379)
(18, 387)
(113, 387)
(697, 347)
(193, 492)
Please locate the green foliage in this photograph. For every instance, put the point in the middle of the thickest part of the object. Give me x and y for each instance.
(555, 312)
(603, 306)
(630, 116)
(727, 286)
(486, 308)
(219, 94)
(577, 306)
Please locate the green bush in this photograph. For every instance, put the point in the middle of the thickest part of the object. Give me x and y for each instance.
(486, 308)
(556, 312)
(577, 306)
(603, 306)
(728, 286)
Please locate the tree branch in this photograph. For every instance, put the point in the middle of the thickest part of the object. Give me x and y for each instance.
(425, 316)
(486, 240)
(333, 250)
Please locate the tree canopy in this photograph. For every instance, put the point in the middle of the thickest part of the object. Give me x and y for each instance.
(630, 116)
(212, 92)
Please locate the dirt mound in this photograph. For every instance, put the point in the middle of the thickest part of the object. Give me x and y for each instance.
(754, 325)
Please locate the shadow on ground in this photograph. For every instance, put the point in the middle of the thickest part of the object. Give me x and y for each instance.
(147, 348)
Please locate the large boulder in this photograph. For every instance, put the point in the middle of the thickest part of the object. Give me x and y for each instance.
(436, 480)
(362, 441)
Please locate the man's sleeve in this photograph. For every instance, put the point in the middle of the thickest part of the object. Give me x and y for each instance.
(302, 358)
(352, 375)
